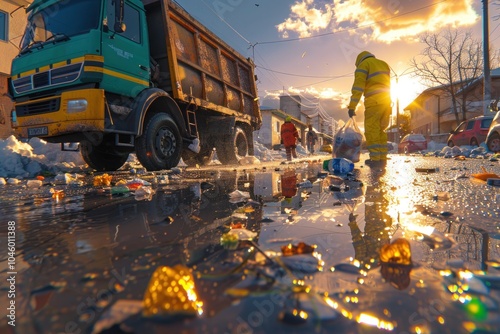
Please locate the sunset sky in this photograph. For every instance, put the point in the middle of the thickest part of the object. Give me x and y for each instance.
(308, 47)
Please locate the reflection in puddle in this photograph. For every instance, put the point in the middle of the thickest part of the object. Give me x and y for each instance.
(106, 248)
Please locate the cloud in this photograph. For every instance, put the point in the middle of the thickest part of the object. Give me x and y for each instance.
(305, 19)
(380, 20)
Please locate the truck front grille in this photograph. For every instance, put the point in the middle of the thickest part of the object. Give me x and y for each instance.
(36, 108)
(41, 80)
(52, 77)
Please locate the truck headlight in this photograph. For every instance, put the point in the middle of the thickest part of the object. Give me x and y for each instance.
(77, 105)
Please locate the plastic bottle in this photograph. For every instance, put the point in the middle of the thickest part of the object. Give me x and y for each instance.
(338, 165)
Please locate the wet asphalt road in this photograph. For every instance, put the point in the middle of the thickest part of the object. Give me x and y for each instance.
(91, 253)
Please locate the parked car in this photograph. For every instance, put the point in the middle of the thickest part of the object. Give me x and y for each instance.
(412, 143)
(471, 132)
(493, 137)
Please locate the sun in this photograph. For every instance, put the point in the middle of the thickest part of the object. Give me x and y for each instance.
(406, 90)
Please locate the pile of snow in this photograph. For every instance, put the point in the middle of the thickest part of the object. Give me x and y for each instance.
(21, 160)
(26, 160)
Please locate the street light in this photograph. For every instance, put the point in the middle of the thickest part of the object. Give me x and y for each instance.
(397, 100)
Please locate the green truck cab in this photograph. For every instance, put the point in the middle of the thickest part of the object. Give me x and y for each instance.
(123, 76)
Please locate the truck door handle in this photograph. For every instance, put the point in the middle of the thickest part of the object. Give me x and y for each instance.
(142, 67)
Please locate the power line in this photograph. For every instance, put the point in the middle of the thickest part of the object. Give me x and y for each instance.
(306, 76)
(222, 19)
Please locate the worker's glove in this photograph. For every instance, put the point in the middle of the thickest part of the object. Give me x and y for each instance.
(351, 113)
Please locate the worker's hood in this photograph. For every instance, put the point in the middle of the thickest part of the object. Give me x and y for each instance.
(362, 56)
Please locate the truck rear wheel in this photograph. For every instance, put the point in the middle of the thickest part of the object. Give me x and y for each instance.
(160, 145)
(232, 148)
(102, 157)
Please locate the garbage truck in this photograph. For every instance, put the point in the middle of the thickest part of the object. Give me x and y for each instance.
(124, 76)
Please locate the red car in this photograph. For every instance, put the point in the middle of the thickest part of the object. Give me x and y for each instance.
(471, 132)
(412, 143)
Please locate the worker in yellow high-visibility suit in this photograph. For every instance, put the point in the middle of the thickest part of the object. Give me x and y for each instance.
(372, 79)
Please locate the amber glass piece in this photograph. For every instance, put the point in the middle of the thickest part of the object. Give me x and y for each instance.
(171, 293)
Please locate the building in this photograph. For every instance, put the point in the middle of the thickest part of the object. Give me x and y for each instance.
(432, 111)
(313, 115)
(269, 132)
(12, 24)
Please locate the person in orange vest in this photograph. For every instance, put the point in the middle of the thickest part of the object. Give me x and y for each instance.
(289, 137)
(372, 79)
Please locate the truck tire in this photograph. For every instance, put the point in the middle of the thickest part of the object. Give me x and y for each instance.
(101, 157)
(160, 145)
(234, 147)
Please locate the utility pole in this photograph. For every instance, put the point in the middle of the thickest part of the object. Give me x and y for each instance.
(486, 62)
(397, 112)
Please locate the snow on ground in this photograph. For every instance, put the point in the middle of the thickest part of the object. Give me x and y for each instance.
(23, 160)
(26, 160)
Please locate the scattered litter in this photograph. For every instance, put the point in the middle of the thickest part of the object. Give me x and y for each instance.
(103, 180)
(250, 160)
(57, 194)
(446, 214)
(13, 181)
(179, 302)
(230, 241)
(307, 263)
(301, 248)
(144, 193)
(442, 196)
(338, 166)
(485, 175)
(2, 181)
(34, 184)
(137, 183)
(427, 170)
(238, 196)
(119, 190)
(40, 177)
(348, 268)
(162, 179)
(119, 312)
(493, 182)
(305, 184)
(243, 233)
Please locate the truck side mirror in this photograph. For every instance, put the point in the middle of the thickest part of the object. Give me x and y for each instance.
(119, 26)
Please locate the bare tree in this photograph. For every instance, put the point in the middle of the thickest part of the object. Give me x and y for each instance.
(451, 59)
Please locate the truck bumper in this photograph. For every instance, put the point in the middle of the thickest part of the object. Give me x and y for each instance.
(71, 112)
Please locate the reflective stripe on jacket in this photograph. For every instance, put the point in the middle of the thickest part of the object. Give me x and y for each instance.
(373, 79)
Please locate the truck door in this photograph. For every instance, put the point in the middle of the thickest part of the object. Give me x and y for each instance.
(126, 54)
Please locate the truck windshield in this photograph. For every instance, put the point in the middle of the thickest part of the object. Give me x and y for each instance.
(64, 18)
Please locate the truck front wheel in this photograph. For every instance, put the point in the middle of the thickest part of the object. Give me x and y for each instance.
(231, 149)
(160, 145)
(102, 157)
